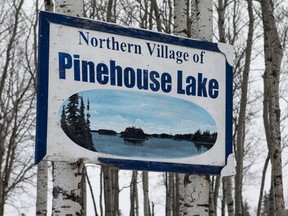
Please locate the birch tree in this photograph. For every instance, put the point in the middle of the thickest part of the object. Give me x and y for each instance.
(170, 189)
(273, 54)
(134, 202)
(236, 19)
(240, 140)
(193, 195)
(111, 190)
(180, 28)
(146, 206)
(68, 178)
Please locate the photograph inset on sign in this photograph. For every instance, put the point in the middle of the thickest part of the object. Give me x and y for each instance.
(137, 124)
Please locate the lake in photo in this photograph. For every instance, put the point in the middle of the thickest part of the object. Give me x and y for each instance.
(137, 124)
(149, 148)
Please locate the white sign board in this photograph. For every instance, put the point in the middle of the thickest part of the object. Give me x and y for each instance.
(132, 98)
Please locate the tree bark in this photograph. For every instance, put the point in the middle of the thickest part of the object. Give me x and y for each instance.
(109, 11)
(223, 201)
(115, 187)
(262, 185)
(145, 181)
(176, 200)
(242, 115)
(108, 191)
(194, 189)
(273, 56)
(42, 188)
(68, 189)
(213, 195)
(68, 179)
(221, 19)
(72, 8)
(212, 211)
(157, 15)
(169, 184)
(134, 206)
(101, 191)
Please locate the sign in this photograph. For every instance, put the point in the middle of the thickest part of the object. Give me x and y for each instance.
(132, 98)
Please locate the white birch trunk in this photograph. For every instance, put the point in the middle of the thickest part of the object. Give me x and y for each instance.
(71, 8)
(180, 18)
(68, 192)
(68, 179)
(194, 189)
(196, 194)
(180, 29)
(204, 20)
(273, 57)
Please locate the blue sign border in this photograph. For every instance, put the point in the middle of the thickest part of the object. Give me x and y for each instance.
(45, 18)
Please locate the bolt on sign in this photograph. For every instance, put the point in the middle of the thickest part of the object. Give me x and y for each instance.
(132, 98)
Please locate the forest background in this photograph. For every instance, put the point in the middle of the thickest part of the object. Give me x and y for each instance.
(257, 30)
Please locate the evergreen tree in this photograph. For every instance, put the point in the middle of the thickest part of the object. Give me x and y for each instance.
(63, 121)
(83, 128)
(80, 127)
(197, 135)
(74, 124)
(72, 112)
(87, 125)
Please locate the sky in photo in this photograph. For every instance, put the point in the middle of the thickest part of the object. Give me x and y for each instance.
(154, 113)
